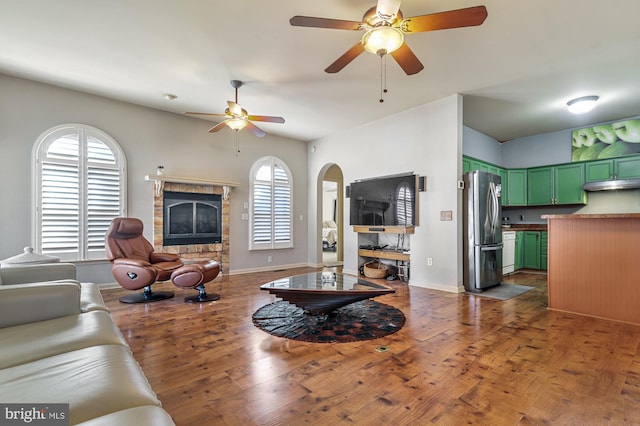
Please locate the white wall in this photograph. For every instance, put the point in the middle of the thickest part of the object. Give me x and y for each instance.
(426, 140)
(149, 138)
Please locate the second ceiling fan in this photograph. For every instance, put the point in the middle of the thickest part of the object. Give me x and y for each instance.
(238, 118)
(385, 28)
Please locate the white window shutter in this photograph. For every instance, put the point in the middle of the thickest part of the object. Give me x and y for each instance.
(271, 210)
(81, 190)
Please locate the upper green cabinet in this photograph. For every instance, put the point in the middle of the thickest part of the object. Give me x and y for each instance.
(469, 164)
(540, 186)
(616, 168)
(516, 193)
(556, 185)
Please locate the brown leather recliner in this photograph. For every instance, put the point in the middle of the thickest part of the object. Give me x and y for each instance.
(134, 263)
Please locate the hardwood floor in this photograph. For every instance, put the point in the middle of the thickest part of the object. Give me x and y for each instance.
(459, 359)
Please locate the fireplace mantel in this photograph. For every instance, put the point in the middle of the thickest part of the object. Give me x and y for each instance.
(159, 181)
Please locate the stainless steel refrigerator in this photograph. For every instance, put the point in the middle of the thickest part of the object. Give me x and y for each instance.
(482, 230)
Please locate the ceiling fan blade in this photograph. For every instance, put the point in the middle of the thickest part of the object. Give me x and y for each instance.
(345, 59)
(266, 118)
(387, 9)
(467, 17)
(336, 24)
(255, 129)
(234, 108)
(217, 127)
(205, 113)
(407, 60)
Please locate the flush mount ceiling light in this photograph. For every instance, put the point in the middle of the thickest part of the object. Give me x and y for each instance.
(582, 104)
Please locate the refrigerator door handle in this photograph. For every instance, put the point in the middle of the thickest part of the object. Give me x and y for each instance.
(491, 248)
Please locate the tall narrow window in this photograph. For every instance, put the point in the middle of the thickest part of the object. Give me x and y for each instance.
(80, 187)
(271, 210)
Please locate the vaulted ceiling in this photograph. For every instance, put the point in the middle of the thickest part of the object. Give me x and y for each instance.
(516, 71)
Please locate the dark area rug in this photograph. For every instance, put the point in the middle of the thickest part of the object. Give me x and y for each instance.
(363, 320)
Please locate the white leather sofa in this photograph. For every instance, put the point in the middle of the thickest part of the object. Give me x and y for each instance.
(58, 344)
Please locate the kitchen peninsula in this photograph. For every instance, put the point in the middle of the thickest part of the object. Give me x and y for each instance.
(594, 265)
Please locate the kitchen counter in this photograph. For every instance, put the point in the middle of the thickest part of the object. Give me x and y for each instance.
(593, 265)
(525, 227)
(593, 216)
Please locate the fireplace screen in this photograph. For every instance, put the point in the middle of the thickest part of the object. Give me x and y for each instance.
(192, 218)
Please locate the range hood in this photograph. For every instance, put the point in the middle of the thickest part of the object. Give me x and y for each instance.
(609, 185)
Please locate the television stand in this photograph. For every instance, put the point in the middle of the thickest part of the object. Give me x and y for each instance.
(367, 252)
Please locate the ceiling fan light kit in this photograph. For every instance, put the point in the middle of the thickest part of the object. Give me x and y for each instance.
(582, 105)
(382, 40)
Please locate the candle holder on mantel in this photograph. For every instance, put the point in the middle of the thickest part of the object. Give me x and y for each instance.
(159, 184)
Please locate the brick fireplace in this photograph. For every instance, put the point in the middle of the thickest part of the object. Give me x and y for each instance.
(191, 252)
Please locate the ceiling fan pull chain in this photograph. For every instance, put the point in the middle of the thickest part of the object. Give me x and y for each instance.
(237, 143)
(381, 78)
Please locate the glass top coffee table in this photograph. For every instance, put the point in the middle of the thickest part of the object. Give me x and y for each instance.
(323, 292)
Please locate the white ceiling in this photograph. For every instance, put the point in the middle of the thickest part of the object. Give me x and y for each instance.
(516, 71)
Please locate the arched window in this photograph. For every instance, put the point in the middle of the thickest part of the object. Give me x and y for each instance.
(80, 186)
(271, 210)
(404, 205)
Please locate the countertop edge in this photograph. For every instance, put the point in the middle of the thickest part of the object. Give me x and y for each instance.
(593, 216)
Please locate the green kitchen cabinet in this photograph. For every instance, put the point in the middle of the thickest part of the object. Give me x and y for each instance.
(540, 186)
(519, 260)
(469, 164)
(556, 185)
(505, 185)
(531, 249)
(516, 187)
(617, 168)
(466, 165)
(568, 182)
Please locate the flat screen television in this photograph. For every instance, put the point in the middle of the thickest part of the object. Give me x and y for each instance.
(384, 201)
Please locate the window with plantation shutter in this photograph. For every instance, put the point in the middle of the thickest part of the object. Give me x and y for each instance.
(271, 210)
(80, 188)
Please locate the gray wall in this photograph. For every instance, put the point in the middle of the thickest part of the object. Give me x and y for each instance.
(542, 150)
(149, 138)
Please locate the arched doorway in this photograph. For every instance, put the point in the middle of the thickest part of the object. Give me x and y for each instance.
(331, 221)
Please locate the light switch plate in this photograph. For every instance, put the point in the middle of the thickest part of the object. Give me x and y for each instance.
(446, 215)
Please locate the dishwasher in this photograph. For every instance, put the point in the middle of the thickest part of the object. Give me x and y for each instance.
(508, 252)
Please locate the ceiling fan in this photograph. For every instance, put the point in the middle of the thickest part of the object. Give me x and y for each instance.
(385, 28)
(237, 117)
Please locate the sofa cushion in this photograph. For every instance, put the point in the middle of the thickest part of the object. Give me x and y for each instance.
(149, 415)
(34, 341)
(91, 298)
(94, 381)
(27, 303)
(20, 274)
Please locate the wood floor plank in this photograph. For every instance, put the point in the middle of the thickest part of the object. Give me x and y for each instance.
(458, 359)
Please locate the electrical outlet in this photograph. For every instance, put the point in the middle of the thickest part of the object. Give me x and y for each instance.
(269, 259)
(429, 261)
